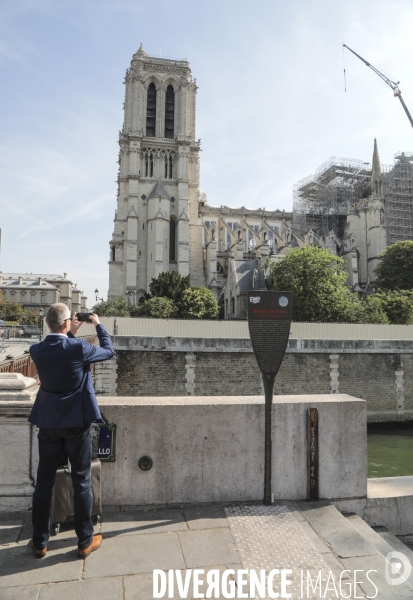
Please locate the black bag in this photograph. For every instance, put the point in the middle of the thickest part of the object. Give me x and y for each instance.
(62, 505)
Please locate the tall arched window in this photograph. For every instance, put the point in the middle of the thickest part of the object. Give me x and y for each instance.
(169, 112)
(172, 239)
(151, 110)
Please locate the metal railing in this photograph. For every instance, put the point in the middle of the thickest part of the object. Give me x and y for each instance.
(22, 364)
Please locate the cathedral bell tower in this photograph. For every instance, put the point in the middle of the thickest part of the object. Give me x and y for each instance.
(156, 226)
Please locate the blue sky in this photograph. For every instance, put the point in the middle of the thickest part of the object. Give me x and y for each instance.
(271, 107)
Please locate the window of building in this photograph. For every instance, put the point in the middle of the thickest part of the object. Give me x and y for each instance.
(169, 112)
(172, 239)
(233, 306)
(151, 111)
(113, 253)
(168, 164)
(149, 163)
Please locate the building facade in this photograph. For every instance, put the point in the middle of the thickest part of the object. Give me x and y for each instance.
(157, 226)
(35, 291)
(163, 222)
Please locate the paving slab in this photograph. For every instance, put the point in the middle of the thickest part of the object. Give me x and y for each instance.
(20, 593)
(19, 567)
(134, 554)
(142, 521)
(140, 587)
(270, 537)
(383, 589)
(10, 527)
(208, 547)
(339, 534)
(373, 538)
(66, 532)
(205, 517)
(109, 588)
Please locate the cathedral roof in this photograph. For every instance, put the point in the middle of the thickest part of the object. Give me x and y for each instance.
(159, 191)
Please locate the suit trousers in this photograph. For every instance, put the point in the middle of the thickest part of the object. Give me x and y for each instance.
(77, 443)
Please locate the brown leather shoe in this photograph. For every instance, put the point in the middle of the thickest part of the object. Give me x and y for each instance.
(96, 542)
(39, 553)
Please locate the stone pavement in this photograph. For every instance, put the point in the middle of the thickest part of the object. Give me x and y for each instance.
(301, 538)
(14, 347)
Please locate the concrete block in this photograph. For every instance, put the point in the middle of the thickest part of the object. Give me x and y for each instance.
(199, 447)
(342, 446)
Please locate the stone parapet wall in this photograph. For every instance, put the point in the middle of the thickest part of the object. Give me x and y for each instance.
(379, 371)
(204, 449)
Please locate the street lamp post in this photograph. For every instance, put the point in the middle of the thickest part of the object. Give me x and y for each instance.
(41, 313)
(97, 297)
(3, 346)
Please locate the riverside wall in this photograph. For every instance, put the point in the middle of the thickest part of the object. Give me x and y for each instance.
(378, 371)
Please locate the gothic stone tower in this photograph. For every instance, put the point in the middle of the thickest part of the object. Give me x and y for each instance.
(157, 227)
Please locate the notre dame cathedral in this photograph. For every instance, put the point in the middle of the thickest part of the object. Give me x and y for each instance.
(163, 222)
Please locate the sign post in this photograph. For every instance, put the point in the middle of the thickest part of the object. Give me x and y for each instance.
(269, 321)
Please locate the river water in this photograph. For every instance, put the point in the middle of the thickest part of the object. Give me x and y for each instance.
(390, 450)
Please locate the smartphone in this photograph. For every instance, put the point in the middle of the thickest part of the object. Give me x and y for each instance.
(84, 317)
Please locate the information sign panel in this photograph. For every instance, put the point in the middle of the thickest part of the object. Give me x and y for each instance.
(269, 322)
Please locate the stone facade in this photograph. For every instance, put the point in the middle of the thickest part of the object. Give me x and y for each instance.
(163, 222)
(35, 291)
(215, 367)
(158, 181)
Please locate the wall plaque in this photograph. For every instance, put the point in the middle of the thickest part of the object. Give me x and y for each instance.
(107, 441)
(269, 321)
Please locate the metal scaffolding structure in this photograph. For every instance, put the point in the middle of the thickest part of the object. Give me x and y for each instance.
(322, 201)
(399, 198)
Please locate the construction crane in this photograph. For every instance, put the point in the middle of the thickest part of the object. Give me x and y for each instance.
(393, 84)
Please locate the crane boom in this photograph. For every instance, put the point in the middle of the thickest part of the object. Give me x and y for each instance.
(393, 84)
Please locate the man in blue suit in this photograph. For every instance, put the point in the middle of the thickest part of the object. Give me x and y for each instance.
(64, 409)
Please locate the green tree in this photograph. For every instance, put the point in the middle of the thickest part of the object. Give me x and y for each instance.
(371, 310)
(397, 305)
(395, 269)
(169, 285)
(198, 303)
(114, 306)
(156, 308)
(15, 311)
(317, 279)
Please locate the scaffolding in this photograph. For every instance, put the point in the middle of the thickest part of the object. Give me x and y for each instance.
(322, 201)
(399, 198)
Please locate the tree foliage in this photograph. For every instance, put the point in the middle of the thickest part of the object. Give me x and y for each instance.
(171, 298)
(169, 284)
(198, 303)
(114, 306)
(157, 308)
(395, 269)
(16, 311)
(370, 310)
(397, 305)
(317, 279)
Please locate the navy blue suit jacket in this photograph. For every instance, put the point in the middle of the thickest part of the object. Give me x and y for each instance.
(66, 397)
